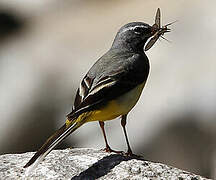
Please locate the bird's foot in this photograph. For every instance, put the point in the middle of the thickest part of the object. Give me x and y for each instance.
(129, 153)
(108, 149)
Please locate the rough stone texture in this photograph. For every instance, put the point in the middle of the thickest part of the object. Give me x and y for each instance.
(90, 164)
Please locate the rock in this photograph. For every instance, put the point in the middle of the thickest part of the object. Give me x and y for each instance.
(90, 164)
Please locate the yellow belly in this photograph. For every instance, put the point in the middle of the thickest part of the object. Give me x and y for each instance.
(120, 106)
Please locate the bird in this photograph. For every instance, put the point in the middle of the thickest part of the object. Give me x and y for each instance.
(111, 87)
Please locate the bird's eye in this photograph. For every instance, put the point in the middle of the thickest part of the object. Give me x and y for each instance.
(138, 30)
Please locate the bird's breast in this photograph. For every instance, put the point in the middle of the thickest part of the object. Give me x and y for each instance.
(128, 100)
(117, 107)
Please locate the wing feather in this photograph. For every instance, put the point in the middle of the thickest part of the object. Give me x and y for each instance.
(94, 93)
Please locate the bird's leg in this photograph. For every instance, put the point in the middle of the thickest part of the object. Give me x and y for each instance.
(107, 149)
(123, 123)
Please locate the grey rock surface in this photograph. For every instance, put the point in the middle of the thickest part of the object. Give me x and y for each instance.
(90, 164)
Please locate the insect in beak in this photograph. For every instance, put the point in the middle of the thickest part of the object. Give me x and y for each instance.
(157, 30)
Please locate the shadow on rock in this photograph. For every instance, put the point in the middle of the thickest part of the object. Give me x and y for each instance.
(104, 166)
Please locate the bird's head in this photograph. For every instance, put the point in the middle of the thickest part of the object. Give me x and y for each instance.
(133, 36)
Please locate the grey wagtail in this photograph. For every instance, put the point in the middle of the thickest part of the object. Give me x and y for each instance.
(111, 87)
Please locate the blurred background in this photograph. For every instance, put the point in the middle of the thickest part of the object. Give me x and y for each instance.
(46, 47)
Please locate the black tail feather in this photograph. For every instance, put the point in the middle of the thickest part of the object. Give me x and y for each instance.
(46, 145)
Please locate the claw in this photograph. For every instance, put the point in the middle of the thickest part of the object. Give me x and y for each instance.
(108, 149)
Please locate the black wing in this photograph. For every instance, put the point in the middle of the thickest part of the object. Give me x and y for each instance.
(96, 90)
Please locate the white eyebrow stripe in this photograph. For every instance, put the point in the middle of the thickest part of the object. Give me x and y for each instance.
(133, 27)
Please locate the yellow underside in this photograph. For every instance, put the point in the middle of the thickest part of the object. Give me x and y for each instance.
(115, 108)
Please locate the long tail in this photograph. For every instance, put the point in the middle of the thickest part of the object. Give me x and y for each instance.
(53, 140)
